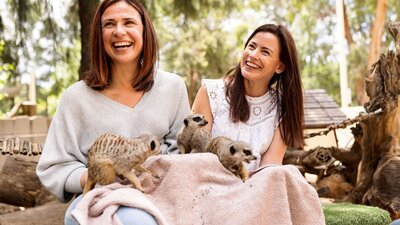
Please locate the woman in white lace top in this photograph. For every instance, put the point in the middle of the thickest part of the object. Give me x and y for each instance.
(261, 99)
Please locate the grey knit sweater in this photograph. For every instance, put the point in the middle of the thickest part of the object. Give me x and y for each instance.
(83, 114)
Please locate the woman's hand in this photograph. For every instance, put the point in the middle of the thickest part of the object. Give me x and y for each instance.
(83, 179)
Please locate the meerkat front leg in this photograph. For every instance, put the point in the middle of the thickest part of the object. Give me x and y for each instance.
(88, 186)
(141, 169)
(133, 179)
(243, 173)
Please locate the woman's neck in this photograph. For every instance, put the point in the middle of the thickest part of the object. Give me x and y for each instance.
(255, 89)
(122, 76)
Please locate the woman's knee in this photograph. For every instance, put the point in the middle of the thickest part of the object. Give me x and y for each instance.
(395, 222)
(68, 218)
(135, 216)
(127, 215)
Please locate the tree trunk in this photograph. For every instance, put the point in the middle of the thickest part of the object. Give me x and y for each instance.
(347, 32)
(372, 164)
(87, 9)
(376, 32)
(375, 42)
(378, 178)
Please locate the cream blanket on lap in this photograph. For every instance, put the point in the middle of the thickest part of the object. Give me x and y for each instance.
(196, 189)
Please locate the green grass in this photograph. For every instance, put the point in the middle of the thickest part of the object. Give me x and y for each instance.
(354, 214)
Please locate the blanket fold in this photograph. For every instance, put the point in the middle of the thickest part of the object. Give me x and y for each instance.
(195, 189)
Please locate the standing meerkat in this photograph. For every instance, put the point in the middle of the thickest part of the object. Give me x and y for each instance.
(232, 155)
(112, 155)
(192, 137)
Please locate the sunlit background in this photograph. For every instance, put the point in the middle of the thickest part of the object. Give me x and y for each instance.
(40, 41)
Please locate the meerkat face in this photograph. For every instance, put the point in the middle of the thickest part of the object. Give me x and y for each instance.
(152, 143)
(196, 120)
(242, 150)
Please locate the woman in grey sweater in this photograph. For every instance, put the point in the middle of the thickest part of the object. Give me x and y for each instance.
(123, 94)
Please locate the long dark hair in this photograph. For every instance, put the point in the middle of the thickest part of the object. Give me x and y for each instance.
(99, 76)
(288, 86)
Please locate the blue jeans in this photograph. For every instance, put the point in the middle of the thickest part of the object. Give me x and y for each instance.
(127, 215)
(395, 222)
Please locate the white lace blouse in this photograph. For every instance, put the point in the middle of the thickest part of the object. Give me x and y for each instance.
(257, 131)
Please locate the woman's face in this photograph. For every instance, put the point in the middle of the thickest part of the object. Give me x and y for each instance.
(260, 59)
(122, 30)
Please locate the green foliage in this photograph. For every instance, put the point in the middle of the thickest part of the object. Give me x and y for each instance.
(33, 42)
(357, 68)
(193, 40)
(198, 39)
(354, 214)
(64, 74)
(326, 76)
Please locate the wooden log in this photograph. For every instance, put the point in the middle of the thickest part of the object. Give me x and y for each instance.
(48, 214)
(385, 192)
(19, 184)
(13, 145)
(5, 208)
(336, 179)
(313, 161)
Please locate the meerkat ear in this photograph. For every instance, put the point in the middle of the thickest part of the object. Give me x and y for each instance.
(153, 145)
(186, 122)
(232, 149)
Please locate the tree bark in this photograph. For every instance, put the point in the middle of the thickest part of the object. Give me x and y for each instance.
(334, 180)
(87, 9)
(373, 163)
(49, 214)
(374, 48)
(19, 184)
(347, 32)
(378, 178)
(376, 32)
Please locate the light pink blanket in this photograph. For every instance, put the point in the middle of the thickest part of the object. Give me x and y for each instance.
(196, 189)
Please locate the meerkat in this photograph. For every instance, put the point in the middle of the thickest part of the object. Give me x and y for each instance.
(232, 155)
(112, 155)
(200, 140)
(192, 137)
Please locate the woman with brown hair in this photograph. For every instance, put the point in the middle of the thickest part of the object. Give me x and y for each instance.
(123, 93)
(259, 101)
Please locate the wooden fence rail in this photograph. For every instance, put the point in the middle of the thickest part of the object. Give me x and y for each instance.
(26, 128)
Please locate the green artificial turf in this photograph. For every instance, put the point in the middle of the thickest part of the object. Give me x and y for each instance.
(354, 214)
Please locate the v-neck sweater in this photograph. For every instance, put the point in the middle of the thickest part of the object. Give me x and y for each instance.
(83, 114)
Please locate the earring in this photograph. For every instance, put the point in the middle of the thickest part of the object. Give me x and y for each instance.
(141, 62)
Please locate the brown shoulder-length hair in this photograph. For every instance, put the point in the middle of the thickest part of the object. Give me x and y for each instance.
(99, 75)
(289, 89)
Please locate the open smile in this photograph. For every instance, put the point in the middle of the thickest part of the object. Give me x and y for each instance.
(122, 44)
(252, 65)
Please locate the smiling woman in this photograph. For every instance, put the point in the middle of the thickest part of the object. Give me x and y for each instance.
(123, 94)
(260, 101)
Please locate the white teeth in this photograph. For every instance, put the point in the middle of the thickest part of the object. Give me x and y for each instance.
(123, 43)
(252, 65)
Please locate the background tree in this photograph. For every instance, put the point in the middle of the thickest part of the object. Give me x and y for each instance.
(198, 39)
(87, 9)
